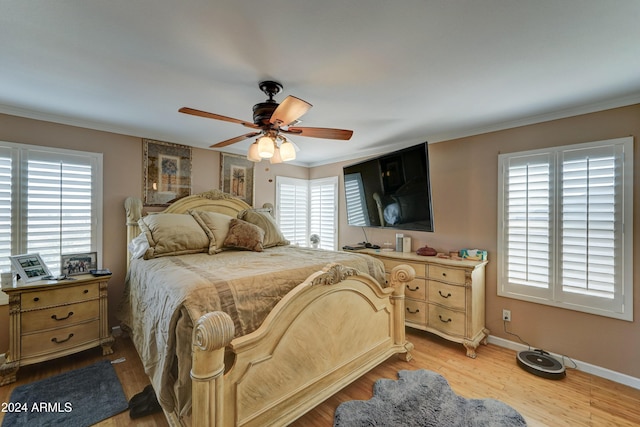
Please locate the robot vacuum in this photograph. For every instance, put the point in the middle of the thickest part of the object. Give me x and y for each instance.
(540, 363)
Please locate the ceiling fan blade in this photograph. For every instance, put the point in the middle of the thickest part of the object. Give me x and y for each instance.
(289, 110)
(200, 113)
(325, 133)
(236, 139)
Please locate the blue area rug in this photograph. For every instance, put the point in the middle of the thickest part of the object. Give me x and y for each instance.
(420, 399)
(77, 398)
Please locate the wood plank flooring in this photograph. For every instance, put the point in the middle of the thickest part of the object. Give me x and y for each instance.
(578, 400)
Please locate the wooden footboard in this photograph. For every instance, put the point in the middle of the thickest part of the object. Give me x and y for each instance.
(323, 335)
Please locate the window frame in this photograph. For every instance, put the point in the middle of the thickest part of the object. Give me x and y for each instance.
(309, 184)
(20, 155)
(621, 305)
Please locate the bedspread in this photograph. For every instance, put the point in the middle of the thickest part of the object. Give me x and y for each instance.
(164, 296)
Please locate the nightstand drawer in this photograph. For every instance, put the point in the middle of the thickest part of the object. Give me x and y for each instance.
(58, 317)
(450, 296)
(48, 297)
(448, 321)
(390, 263)
(415, 311)
(452, 275)
(60, 339)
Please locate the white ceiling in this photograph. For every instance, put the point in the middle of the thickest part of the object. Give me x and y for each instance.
(396, 72)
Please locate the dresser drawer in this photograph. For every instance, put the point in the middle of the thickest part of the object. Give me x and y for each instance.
(60, 339)
(54, 296)
(450, 296)
(416, 289)
(415, 311)
(445, 320)
(390, 263)
(58, 317)
(451, 275)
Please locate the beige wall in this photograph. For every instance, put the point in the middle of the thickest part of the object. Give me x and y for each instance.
(464, 184)
(464, 180)
(122, 165)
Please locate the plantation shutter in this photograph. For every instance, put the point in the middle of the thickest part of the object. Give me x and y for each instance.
(292, 201)
(528, 222)
(591, 201)
(58, 206)
(308, 207)
(6, 234)
(323, 211)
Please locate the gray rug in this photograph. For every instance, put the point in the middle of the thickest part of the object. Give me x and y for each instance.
(77, 398)
(423, 398)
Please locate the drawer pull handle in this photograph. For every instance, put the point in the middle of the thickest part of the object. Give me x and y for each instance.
(55, 340)
(36, 299)
(444, 296)
(86, 291)
(413, 290)
(55, 316)
(442, 320)
(413, 312)
(444, 274)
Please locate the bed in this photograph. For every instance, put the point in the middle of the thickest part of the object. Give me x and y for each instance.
(257, 336)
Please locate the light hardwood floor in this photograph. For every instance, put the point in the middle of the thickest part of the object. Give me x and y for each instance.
(578, 400)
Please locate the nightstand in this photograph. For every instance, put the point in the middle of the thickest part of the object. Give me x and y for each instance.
(50, 319)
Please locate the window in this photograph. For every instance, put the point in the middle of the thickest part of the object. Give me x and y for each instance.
(50, 202)
(565, 222)
(308, 207)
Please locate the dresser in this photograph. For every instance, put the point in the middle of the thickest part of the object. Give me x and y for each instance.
(50, 319)
(445, 298)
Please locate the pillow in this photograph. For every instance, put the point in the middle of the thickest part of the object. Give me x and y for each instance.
(173, 234)
(138, 246)
(243, 235)
(215, 225)
(263, 219)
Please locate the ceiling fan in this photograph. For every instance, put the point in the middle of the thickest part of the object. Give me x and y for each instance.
(271, 122)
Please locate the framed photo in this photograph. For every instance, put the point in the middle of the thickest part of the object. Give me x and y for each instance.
(236, 177)
(167, 172)
(30, 267)
(73, 264)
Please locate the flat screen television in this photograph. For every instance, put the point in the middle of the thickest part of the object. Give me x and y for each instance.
(391, 190)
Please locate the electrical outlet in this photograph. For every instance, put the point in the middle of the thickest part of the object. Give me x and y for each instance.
(506, 315)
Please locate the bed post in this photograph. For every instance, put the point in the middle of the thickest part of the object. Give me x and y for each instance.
(211, 334)
(133, 208)
(400, 276)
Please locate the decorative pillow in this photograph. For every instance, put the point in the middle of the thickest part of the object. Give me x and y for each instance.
(173, 234)
(215, 225)
(138, 246)
(243, 235)
(263, 219)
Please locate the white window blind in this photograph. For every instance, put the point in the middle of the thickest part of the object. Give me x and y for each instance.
(306, 207)
(50, 201)
(565, 227)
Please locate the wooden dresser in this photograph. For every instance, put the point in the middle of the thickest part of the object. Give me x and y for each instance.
(446, 297)
(50, 319)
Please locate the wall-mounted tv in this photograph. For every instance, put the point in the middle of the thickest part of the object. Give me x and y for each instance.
(391, 190)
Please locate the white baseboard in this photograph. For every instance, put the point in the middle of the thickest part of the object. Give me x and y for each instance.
(582, 366)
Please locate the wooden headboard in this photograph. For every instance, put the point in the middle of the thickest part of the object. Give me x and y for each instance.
(213, 201)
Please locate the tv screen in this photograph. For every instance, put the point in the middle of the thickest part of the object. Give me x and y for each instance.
(392, 191)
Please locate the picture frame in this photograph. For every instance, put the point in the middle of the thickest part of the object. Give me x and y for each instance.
(237, 177)
(30, 267)
(167, 172)
(81, 263)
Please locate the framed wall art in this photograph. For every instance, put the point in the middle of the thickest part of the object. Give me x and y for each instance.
(167, 172)
(237, 176)
(30, 267)
(72, 264)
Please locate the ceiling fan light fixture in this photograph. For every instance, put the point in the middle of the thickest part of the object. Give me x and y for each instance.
(276, 158)
(287, 151)
(252, 154)
(266, 146)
